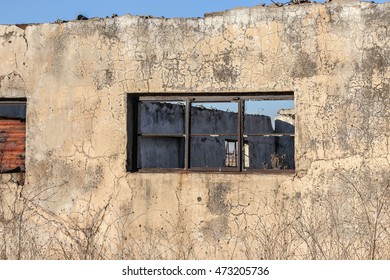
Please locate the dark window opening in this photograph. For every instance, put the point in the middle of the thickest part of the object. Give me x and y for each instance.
(214, 133)
(160, 134)
(269, 127)
(12, 135)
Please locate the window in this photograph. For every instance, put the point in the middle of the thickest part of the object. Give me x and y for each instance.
(12, 135)
(231, 150)
(215, 133)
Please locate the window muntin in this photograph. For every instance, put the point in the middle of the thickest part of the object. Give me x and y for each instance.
(199, 133)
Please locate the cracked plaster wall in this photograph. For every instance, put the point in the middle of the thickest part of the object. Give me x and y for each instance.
(78, 201)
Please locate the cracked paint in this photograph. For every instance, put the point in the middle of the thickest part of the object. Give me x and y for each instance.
(78, 202)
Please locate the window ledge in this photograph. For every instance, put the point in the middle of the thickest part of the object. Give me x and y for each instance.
(181, 171)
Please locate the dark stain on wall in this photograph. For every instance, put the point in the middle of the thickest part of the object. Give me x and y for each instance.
(216, 198)
(110, 31)
(223, 69)
(219, 226)
(304, 67)
(104, 79)
(7, 37)
(374, 59)
(216, 228)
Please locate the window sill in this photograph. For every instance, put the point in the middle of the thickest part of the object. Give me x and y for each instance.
(181, 171)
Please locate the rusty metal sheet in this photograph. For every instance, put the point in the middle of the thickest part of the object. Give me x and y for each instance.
(12, 144)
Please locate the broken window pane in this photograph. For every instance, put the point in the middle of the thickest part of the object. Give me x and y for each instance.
(285, 121)
(260, 115)
(259, 150)
(209, 152)
(285, 148)
(214, 118)
(161, 152)
(159, 117)
(269, 133)
(161, 134)
(214, 133)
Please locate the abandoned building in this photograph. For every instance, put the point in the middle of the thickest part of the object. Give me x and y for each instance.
(150, 138)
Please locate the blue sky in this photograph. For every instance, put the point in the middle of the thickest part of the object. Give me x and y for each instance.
(38, 11)
(33, 11)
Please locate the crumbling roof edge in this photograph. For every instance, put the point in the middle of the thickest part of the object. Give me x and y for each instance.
(212, 14)
(275, 5)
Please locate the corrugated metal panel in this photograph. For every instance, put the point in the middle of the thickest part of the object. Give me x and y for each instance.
(12, 144)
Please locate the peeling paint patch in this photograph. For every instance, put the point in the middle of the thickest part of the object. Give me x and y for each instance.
(104, 79)
(216, 198)
(223, 69)
(304, 67)
(216, 229)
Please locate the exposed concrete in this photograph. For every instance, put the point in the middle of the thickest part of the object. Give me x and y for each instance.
(78, 201)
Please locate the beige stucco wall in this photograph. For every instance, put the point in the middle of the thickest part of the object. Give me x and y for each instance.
(78, 201)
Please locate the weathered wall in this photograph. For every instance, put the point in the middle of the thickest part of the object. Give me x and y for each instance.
(78, 201)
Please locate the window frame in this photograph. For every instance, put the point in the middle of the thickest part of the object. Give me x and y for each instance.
(133, 126)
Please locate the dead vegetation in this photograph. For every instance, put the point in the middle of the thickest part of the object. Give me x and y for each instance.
(347, 219)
